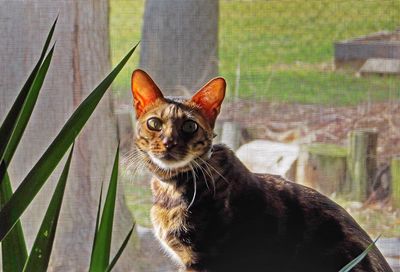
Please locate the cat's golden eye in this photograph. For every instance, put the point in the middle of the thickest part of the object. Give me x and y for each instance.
(189, 126)
(154, 124)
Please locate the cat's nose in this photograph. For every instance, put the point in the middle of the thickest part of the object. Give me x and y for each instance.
(169, 142)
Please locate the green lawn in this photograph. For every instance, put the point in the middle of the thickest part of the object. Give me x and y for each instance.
(285, 48)
(125, 30)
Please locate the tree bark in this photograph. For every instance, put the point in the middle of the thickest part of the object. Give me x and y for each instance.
(180, 44)
(80, 62)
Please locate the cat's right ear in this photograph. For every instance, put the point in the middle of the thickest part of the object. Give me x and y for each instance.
(144, 90)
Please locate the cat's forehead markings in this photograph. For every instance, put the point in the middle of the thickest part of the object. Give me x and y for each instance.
(176, 108)
(171, 111)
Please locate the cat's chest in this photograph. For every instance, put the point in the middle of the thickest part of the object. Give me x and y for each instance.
(171, 227)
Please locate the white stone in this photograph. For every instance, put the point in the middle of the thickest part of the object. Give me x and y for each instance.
(262, 156)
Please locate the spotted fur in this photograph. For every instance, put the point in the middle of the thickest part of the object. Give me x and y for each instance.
(212, 214)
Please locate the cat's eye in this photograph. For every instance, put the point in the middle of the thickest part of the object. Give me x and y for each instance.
(154, 124)
(189, 126)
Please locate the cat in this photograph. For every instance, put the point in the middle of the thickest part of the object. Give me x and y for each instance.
(212, 214)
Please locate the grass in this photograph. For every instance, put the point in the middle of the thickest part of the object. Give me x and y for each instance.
(125, 30)
(285, 48)
(137, 195)
(374, 220)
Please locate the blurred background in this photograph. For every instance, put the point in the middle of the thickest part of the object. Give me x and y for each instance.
(313, 94)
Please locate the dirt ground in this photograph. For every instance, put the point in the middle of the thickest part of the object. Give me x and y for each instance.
(315, 123)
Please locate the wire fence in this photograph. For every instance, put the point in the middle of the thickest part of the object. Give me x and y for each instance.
(299, 73)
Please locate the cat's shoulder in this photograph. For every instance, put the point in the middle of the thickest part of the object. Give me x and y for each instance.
(307, 198)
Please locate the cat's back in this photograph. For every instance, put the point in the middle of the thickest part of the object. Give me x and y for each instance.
(315, 231)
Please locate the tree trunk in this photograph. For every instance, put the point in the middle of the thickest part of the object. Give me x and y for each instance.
(80, 62)
(180, 43)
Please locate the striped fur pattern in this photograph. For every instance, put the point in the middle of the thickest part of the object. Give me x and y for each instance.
(212, 214)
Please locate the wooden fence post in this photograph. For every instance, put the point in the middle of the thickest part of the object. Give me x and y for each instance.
(322, 167)
(218, 132)
(230, 134)
(362, 162)
(395, 172)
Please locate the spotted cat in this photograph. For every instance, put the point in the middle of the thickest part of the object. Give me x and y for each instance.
(212, 214)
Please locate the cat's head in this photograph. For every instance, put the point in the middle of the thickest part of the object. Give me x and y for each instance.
(175, 133)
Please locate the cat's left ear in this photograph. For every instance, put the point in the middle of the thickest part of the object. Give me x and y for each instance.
(210, 97)
(144, 90)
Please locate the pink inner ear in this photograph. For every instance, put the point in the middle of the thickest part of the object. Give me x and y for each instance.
(144, 90)
(210, 97)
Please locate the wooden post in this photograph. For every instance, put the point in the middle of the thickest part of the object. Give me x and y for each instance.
(322, 167)
(395, 172)
(218, 132)
(361, 162)
(230, 134)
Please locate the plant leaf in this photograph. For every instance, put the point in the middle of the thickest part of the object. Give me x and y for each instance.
(13, 247)
(98, 216)
(26, 111)
(102, 245)
(39, 257)
(38, 175)
(7, 128)
(359, 258)
(120, 250)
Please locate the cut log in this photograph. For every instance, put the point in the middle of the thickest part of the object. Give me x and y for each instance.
(322, 167)
(395, 172)
(362, 163)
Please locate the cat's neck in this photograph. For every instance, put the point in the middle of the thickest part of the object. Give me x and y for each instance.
(205, 179)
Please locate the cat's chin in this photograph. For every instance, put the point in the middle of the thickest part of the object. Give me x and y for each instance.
(170, 164)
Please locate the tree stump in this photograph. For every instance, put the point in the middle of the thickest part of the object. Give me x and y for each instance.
(322, 167)
(361, 162)
(395, 172)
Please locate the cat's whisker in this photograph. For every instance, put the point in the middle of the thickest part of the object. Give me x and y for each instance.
(208, 172)
(133, 163)
(138, 167)
(216, 171)
(194, 187)
(202, 171)
(128, 156)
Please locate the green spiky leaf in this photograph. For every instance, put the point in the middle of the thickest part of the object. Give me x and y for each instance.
(13, 247)
(15, 122)
(101, 250)
(359, 258)
(39, 257)
(98, 215)
(120, 250)
(38, 175)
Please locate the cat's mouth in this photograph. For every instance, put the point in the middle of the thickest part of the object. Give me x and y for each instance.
(169, 161)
